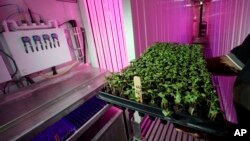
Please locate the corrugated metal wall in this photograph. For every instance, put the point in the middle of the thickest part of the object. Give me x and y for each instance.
(161, 20)
(105, 20)
(228, 25)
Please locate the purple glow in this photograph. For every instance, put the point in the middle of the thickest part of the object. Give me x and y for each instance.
(157, 20)
(103, 35)
(113, 22)
(105, 20)
(124, 51)
(120, 32)
(96, 32)
(89, 23)
(110, 36)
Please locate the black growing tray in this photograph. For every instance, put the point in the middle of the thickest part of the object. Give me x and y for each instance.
(208, 127)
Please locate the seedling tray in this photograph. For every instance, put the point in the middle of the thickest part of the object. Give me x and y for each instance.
(208, 127)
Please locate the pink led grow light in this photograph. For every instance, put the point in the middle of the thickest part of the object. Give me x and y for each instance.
(105, 19)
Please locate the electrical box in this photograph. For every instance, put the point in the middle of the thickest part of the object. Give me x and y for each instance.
(37, 49)
(4, 74)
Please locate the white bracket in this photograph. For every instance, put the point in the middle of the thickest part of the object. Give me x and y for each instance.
(11, 25)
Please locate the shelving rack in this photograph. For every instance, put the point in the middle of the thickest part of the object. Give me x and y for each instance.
(30, 111)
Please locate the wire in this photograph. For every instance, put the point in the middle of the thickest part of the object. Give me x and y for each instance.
(5, 86)
(1, 91)
(12, 14)
(29, 80)
(63, 23)
(61, 73)
(18, 8)
(84, 45)
(71, 22)
(14, 62)
(31, 16)
(25, 3)
(13, 75)
(54, 70)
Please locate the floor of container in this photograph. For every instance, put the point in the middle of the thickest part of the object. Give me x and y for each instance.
(154, 130)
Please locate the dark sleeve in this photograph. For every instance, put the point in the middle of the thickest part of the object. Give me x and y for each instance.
(215, 66)
(240, 54)
(244, 75)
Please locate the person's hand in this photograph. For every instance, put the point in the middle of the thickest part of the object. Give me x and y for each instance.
(221, 65)
(225, 60)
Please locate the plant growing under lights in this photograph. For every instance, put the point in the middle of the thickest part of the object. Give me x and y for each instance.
(173, 77)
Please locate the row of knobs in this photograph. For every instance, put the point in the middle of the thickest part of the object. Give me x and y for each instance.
(50, 41)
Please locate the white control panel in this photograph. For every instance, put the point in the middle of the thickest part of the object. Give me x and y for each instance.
(36, 50)
(4, 74)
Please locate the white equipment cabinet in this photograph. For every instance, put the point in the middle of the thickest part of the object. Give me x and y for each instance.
(36, 49)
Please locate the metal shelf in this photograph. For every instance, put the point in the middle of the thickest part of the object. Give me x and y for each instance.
(89, 123)
(194, 123)
(31, 110)
(76, 122)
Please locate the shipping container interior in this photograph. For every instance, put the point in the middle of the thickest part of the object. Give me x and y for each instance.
(55, 54)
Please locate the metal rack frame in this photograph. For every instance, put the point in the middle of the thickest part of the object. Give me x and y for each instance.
(29, 111)
(211, 128)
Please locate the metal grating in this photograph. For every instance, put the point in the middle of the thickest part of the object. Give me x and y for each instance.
(62, 129)
(83, 113)
(66, 126)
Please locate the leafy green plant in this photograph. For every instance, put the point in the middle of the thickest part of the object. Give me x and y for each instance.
(173, 77)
